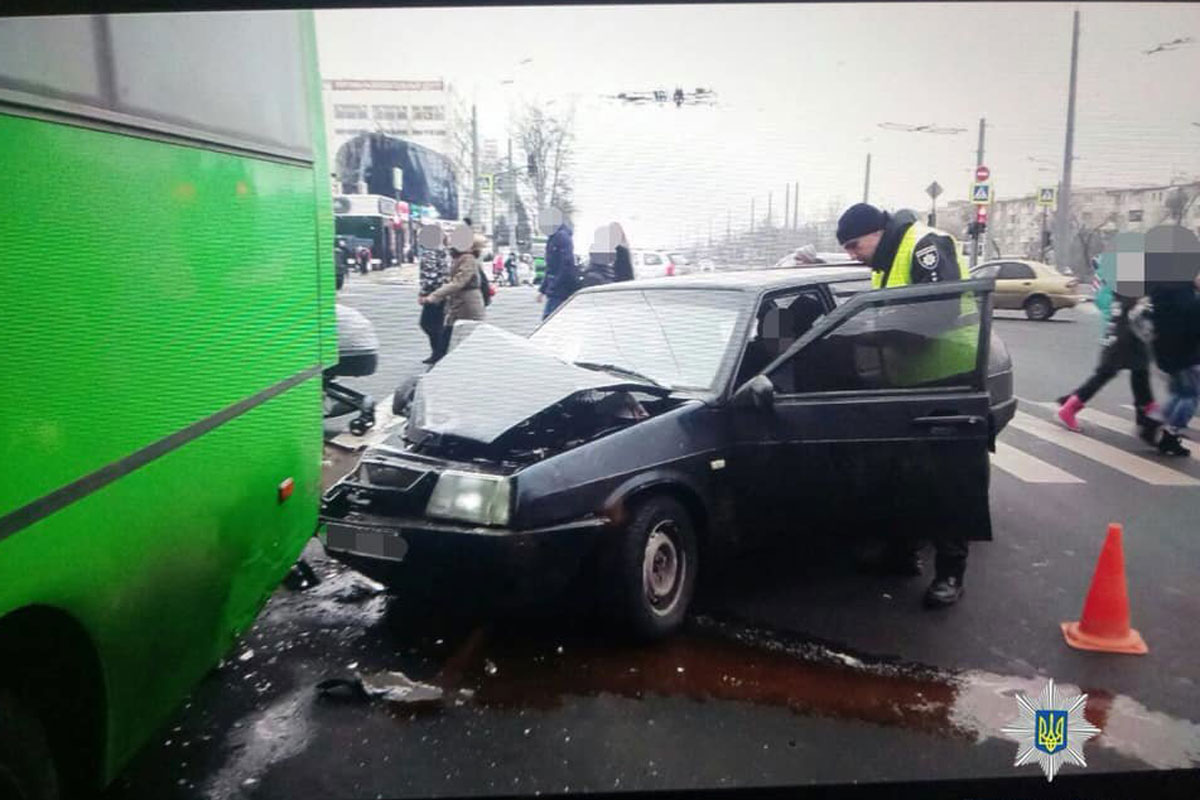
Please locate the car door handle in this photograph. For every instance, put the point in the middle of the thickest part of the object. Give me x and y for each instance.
(957, 420)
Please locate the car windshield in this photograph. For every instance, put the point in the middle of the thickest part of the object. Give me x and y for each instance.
(677, 337)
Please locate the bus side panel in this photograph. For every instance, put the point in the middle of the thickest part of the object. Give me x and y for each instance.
(148, 286)
(166, 566)
(323, 219)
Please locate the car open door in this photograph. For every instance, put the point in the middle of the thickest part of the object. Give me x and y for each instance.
(878, 415)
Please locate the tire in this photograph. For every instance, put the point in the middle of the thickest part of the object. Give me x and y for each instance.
(27, 770)
(1038, 309)
(655, 568)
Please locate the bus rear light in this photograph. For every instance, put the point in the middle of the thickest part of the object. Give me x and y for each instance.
(285, 489)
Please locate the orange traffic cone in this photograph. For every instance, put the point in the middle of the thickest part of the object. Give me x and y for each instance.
(1105, 622)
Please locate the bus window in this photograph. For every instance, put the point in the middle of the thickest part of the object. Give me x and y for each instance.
(143, 515)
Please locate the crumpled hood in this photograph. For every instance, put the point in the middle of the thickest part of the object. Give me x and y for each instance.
(494, 380)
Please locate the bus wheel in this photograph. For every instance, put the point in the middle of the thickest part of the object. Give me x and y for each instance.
(27, 770)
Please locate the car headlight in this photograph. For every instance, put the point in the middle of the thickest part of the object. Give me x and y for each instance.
(470, 497)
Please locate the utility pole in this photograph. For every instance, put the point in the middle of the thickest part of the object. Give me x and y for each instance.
(787, 207)
(770, 197)
(796, 206)
(752, 215)
(474, 165)
(1062, 219)
(710, 231)
(867, 181)
(728, 225)
(512, 197)
(978, 163)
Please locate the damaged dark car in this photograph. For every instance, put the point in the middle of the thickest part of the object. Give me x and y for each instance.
(647, 429)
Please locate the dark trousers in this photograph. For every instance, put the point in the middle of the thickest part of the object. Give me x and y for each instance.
(432, 315)
(950, 554)
(1139, 382)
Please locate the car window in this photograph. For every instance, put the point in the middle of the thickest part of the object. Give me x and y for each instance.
(679, 338)
(912, 343)
(779, 321)
(1013, 271)
(652, 260)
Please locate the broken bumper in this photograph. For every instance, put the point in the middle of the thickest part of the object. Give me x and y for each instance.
(426, 557)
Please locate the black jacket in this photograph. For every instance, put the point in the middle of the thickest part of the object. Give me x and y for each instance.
(935, 258)
(598, 274)
(1176, 326)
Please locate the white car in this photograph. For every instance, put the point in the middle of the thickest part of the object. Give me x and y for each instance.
(651, 264)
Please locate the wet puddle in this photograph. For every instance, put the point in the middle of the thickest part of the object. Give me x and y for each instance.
(716, 662)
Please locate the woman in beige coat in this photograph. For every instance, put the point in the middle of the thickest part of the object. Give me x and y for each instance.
(462, 293)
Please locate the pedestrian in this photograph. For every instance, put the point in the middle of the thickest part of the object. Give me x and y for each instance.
(608, 257)
(561, 277)
(461, 292)
(498, 266)
(1120, 349)
(1173, 283)
(510, 266)
(434, 271)
(902, 252)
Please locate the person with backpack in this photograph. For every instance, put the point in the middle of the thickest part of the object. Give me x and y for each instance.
(1173, 278)
(1120, 349)
(463, 292)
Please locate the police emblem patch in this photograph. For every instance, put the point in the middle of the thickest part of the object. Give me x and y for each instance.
(1050, 731)
(927, 257)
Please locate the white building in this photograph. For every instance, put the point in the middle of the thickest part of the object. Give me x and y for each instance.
(1016, 224)
(420, 111)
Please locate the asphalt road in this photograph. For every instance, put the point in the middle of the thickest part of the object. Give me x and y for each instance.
(794, 670)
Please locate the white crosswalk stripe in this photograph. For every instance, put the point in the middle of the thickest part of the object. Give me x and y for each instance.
(1142, 469)
(1102, 420)
(1028, 468)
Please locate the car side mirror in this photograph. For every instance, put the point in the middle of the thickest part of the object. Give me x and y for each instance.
(758, 392)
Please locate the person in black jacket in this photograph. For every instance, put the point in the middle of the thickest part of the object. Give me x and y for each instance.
(434, 271)
(609, 260)
(1173, 283)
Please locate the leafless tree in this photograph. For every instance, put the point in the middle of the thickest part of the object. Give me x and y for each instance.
(547, 144)
(1091, 238)
(1177, 203)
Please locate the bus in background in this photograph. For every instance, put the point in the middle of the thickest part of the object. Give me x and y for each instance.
(162, 427)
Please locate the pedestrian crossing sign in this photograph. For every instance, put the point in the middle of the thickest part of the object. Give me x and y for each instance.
(981, 194)
(1046, 196)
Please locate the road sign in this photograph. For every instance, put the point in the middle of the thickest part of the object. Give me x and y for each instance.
(982, 173)
(981, 214)
(485, 183)
(933, 190)
(981, 194)
(1047, 196)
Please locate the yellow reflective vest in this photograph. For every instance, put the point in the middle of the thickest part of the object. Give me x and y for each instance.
(953, 352)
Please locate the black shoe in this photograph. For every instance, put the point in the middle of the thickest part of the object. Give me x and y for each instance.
(1170, 445)
(944, 592)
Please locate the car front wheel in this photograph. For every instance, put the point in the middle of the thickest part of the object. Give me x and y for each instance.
(656, 568)
(1038, 309)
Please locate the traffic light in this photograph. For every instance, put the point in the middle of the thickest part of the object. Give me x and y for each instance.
(1047, 239)
(531, 163)
(976, 228)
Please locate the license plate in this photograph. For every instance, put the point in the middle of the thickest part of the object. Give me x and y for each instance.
(366, 541)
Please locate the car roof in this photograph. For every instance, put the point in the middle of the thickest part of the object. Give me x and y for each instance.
(756, 280)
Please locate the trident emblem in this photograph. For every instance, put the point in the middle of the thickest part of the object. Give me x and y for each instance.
(1051, 731)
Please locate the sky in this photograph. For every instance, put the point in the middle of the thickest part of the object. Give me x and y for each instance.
(802, 90)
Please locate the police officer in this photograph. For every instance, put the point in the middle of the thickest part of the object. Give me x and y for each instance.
(903, 252)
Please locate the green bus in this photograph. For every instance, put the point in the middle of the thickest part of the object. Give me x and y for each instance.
(160, 440)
